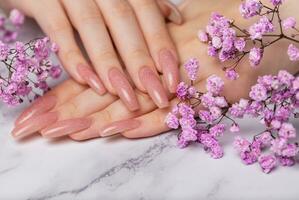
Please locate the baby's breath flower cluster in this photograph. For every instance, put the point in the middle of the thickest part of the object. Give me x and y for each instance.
(206, 129)
(274, 100)
(24, 67)
(230, 43)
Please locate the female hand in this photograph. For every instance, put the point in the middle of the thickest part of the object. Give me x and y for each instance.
(82, 114)
(136, 28)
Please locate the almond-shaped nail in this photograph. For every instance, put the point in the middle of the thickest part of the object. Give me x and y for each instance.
(119, 127)
(153, 86)
(91, 79)
(170, 69)
(123, 89)
(173, 15)
(40, 106)
(66, 127)
(35, 124)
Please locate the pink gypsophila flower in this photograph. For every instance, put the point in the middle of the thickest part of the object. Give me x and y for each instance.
(16, 17)
(258, 92)
(287, 130)
(267, 162)
(172, 121)
(276, 2)
(234, 128)
(250, 8)
(192, 66)
(255, 56)
(263, 26)
(289, 23)
(203, 36)
(293, 52)
(231, 74)
(215, 84)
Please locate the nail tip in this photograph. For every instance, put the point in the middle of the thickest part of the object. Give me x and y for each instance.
(44, 133)
(176, 20)
(19, 135)
(107, 135)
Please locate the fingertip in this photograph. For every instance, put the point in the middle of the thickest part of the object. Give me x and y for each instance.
(85, 135)
(171, 12)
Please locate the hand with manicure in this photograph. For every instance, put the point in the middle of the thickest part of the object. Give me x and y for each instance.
(127, 43)
(79, 112)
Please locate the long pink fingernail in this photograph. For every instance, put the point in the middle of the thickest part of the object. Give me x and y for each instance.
(153, 86)
(85, 134)
(40, 106)
(174, 15)
(170, 68)
(91, 78)
(123, 89)
(119, 127)
(35, 124)
(66, 127)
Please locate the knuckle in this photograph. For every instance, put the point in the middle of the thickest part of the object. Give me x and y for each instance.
(106, 55)
(75, 137)
(159, 36)
(138, 53)
(89, 19)
(143, 4)
(70, 54)
(59, 27)
(121, 8)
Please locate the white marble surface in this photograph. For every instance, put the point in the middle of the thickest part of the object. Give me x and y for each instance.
(117, 168)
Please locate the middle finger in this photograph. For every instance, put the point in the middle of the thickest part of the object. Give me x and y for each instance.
(87, 19)
(121, 21)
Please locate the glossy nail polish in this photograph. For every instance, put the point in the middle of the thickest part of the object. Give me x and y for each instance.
(153, 86)
(40, 106)
(66, 127)
(119, 127)
(123, 89)
(170, 69)
(91, 79)
(174, 15)
(35, 124)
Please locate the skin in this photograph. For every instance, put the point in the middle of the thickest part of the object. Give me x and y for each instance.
(107, 109)
(101, 25)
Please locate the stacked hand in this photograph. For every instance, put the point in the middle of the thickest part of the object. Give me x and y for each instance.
(127, 42)
(78, 111)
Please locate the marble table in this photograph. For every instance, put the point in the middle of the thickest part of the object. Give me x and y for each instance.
(118, 168)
